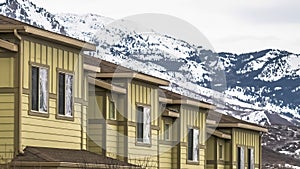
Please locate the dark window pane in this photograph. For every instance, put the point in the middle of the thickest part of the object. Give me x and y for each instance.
(190, 144)
(61, 94)
(34, 88)
(250, 158)
(239, 157)
(220, 151)
(140, 114)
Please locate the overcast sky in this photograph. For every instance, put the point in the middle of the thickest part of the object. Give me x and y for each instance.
(229, 25)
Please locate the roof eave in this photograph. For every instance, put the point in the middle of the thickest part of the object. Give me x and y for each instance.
(61, 38)
(49, 35)
(8, 45)
(134, 75)
(241, 125)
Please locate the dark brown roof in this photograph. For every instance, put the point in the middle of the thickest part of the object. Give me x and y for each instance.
(175, 96)
(44, 154)
(212, 115)
(106, 67)
(9, 24)
(226, 119)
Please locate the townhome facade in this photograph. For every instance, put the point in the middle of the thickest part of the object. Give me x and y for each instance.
(60, 108)
(233, 143)
(43, 96)
(128, 119)
(183, 131)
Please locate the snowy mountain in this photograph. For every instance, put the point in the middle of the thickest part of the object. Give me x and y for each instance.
(268, 79)
(260, 87)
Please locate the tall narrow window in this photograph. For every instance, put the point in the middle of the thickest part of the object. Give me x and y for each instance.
(220, 151)
(65, 95)
(250, 158)
(167, 131)
(112, 110)
(143, 124)
(193, 142)
(39, 89)
(241, 157)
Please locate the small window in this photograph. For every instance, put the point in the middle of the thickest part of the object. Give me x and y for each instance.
(143, 124)
(250, 158)
(39, 89)
(241, 158)
(65, 95)
(112, 110)
(193, 142)
(220, 151)
(167, 132)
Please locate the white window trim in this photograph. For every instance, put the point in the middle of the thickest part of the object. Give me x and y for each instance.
(242, 156)
(195, 146)
(221, 151)
(60, 71)
(145, 139)
(253, 159)
(115, 109)
(169, 130)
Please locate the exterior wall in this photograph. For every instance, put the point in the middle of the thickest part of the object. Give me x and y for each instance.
(95, 129)
(106, 136)
(142, 93)
(8, 103)
(192, 117)
(211, 152)
(213, 159)
(7, 111)
(168, 156)
(52, 131)
(246, 139)
(7, 71)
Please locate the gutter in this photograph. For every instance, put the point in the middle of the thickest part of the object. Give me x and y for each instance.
(18, 145)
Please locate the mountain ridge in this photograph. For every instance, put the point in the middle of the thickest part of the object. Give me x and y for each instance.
(260, 87)
(152, 54)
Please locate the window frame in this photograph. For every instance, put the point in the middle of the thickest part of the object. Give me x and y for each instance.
(58, 115)
(138, 142)
(110, 100)
(221, 150)
(240, 164)
(191, 161)
(169, 131)
(248, 158)
(38, 112)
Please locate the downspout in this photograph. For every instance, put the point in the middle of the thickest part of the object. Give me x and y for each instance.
(260, 151)
(18, 135)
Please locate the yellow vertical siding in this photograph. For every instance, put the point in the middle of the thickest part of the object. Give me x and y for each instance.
(142, 93)
(191, 116)
(246, 139)
(6, 127)
(53, 57)
(50, 131)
